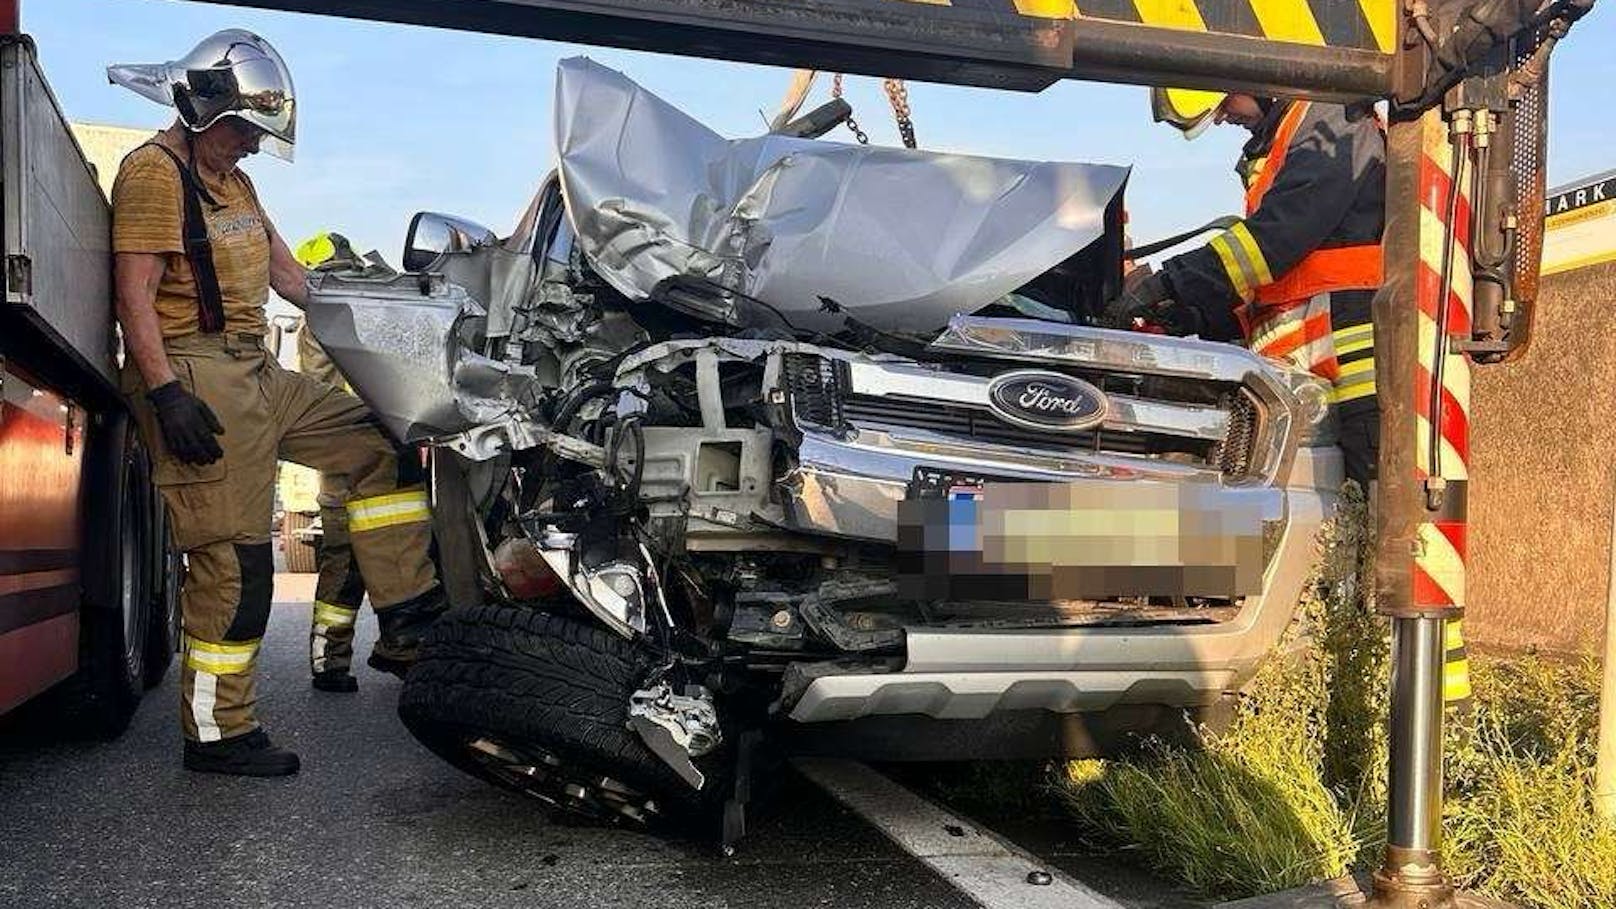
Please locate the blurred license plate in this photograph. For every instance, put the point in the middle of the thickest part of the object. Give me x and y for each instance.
(970, 538)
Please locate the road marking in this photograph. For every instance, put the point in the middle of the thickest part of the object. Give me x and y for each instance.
(980, 864)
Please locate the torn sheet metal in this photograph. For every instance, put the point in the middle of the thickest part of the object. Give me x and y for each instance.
(677, 728)
(901, 238)
(399, 344)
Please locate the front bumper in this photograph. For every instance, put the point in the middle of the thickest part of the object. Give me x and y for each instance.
(959, 674)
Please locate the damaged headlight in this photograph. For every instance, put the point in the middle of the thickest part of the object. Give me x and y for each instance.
(615, 592)
(1316, 419)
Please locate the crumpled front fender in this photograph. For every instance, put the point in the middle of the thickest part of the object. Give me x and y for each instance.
(405, 344)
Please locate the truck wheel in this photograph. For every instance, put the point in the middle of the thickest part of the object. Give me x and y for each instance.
(300, 556)
(100, 699)
(163, 635)
(538, 704)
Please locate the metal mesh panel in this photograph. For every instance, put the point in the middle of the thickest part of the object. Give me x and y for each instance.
(1528, 169)
(1234, 454)
(816, 390)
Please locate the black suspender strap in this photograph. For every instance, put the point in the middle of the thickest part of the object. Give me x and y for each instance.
(198, 248)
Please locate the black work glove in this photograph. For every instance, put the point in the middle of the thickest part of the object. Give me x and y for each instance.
(1151, 299)
(1142, 299)
(188, 424)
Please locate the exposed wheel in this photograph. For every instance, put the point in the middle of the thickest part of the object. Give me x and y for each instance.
(163, 633)
(100, 699)
(300, 556)
(538, 703)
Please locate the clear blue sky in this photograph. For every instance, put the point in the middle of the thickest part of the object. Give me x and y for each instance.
(394, 119)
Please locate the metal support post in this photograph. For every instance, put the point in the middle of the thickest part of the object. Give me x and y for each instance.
(1605, 759)
(1423, 387)
(1414, 788)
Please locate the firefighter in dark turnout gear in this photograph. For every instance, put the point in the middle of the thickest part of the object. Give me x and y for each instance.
(1295, 278)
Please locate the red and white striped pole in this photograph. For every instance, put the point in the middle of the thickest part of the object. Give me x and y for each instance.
(1442, 379)
(1424, 385)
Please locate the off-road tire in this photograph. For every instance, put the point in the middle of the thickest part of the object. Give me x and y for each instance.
(300, 556)
(529, 679)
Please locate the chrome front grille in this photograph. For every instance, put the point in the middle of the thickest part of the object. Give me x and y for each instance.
(931, 404)
(980, 424)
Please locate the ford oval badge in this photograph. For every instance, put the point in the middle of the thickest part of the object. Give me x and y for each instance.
(1046, 400)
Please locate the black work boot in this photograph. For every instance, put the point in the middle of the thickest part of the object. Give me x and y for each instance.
(245, 755)
(339, 680)
(403, 626)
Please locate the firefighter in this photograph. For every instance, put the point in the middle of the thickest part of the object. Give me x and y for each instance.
(1296, 277)
(340, 588)
(195, 258)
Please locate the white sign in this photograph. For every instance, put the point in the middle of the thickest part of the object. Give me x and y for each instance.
(1579, 224)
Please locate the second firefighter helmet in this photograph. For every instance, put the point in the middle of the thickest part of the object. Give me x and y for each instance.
(1189, 110)
(232, 73)
(322, 248)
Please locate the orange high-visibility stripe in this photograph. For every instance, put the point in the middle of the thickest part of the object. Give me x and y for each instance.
(1312, 329)
(1323, 270)
(1276, 155)
(1357, 267)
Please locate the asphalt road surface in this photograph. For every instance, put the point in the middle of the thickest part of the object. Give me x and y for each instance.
(373, 819)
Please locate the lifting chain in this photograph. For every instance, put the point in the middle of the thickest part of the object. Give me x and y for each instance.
(836, 92)
(898, 95)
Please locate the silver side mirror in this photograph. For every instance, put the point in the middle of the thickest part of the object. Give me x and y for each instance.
(431, 235)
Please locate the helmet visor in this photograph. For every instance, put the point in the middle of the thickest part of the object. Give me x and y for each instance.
(1186, 109)
(254, 89)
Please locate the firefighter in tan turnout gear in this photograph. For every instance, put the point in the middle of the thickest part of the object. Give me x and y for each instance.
(340, 588)
(195, 258)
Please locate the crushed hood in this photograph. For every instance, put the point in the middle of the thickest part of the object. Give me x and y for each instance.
(902, 239)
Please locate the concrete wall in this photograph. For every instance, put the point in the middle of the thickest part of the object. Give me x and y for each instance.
(1543, 435)
(105, 146)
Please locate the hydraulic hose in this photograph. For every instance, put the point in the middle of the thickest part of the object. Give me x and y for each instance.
(1461, 142)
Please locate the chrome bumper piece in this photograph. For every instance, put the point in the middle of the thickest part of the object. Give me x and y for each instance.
(962, 674)
(852, 487)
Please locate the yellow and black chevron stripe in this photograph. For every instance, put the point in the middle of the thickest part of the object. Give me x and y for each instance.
(1361, 24)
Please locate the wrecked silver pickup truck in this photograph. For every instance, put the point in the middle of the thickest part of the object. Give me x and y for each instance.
(786, 438)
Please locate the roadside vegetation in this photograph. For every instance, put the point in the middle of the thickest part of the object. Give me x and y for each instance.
(1293, 791)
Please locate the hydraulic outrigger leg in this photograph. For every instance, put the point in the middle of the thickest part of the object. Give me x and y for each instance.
(1463, 177)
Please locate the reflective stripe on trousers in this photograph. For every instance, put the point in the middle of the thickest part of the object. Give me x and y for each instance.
(1305, 336)
(373, 513)
(217, 686)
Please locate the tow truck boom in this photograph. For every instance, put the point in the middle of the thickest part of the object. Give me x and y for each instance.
(1321, 48)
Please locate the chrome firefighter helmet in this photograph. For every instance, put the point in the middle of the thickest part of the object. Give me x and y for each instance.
(1189, 110)
(232, 73)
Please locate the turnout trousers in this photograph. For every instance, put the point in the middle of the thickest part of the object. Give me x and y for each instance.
(222, 511)
(1332, 335)
(340, 588)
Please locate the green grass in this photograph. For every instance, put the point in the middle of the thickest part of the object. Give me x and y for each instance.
(1293, 791)
(1519, 818)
